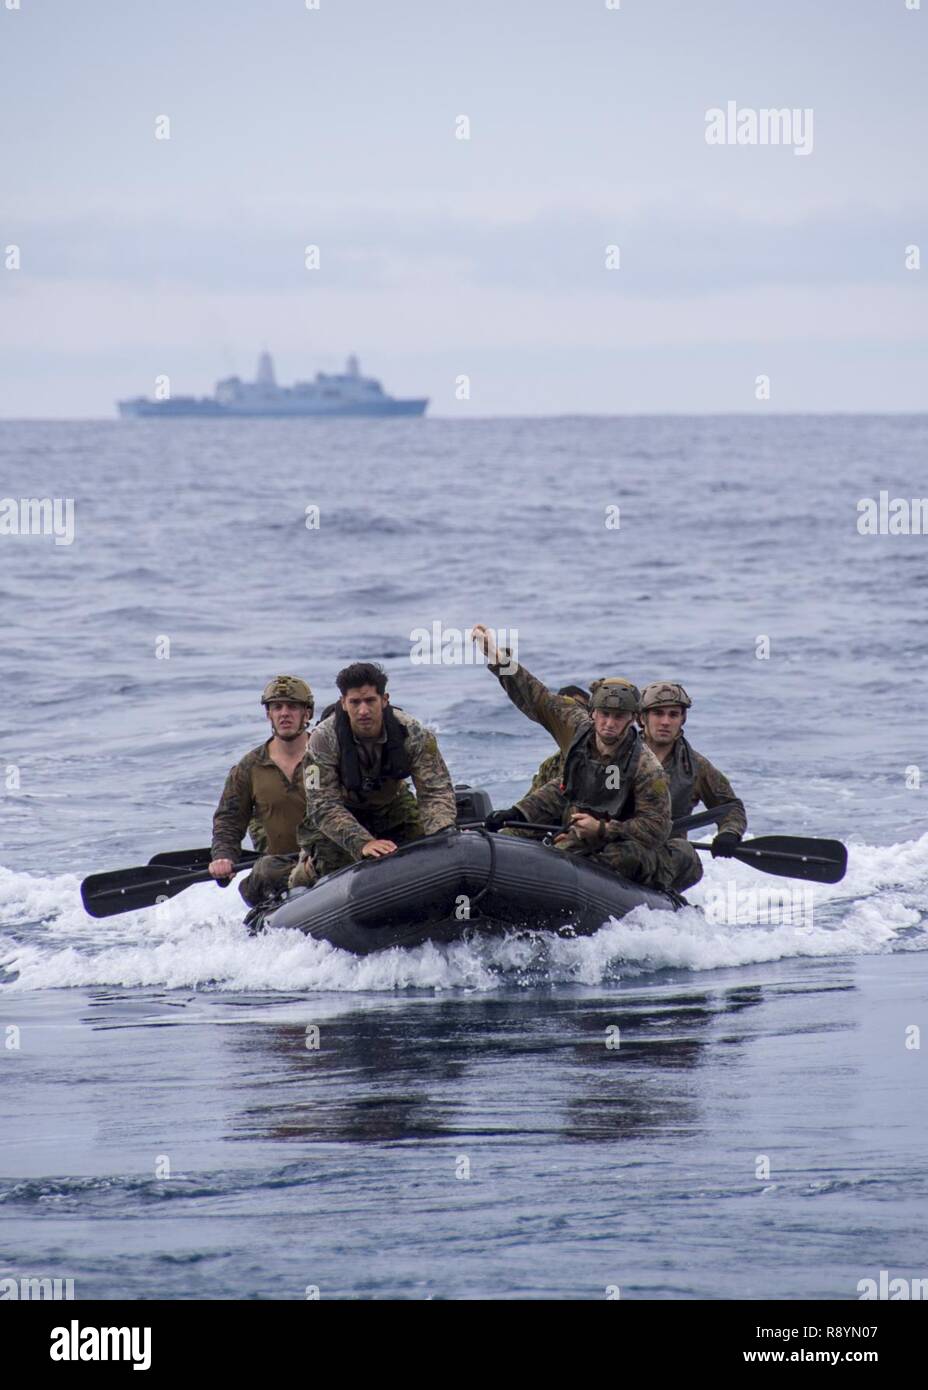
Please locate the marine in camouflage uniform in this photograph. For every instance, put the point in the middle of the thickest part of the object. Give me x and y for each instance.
(356, 789)
(692, 779)
(624, 789)
(259, 798)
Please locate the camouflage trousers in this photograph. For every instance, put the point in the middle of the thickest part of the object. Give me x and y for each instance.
(628, 858)
(398, 821)
(269, 876)
(678, 865)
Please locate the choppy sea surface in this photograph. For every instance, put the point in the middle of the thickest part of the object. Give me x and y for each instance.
(190, 1112)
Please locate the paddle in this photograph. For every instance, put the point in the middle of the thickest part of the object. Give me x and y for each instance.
(791, 856)
(197, 858)
(679, 827)
(124, 890)
(510, 825)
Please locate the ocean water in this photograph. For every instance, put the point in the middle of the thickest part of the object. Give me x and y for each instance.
(190, 1112)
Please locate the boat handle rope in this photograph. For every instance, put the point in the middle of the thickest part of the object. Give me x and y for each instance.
(490, 837)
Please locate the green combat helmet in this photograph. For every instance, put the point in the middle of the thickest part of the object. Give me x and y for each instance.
(660, 693)
(615, 693)
(288, 688)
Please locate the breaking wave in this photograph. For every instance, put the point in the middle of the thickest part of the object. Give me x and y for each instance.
(197, 940)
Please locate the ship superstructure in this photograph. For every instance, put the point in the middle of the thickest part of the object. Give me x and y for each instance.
(337, 393)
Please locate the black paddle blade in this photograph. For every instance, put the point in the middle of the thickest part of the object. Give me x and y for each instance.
(820, 861)
(194, 859)
(124, 890)
(791, 856)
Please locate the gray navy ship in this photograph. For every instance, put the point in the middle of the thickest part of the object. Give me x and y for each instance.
(341, 393)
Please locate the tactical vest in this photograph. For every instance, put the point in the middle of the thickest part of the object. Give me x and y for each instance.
(395, 764)
(681, 779)
(280, 805)
(586, 777)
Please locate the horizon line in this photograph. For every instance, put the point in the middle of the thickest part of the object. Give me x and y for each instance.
(560, 415)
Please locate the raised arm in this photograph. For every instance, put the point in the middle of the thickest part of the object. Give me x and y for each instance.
(560, 715)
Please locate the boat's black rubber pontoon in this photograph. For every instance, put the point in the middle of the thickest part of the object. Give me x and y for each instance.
(456, 883)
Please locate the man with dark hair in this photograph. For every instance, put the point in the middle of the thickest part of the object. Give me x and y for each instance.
(358, 805)
(362, 673)
(265, 790)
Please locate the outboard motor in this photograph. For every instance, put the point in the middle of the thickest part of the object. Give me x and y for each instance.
(473, 803)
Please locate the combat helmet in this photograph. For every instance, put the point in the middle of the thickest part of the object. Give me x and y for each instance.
(615, 693)
(288, 688)
(660, 693)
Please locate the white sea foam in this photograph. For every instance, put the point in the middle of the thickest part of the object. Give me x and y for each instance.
(197, 940)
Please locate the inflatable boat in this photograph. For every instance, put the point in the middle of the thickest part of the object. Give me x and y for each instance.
(453, 885)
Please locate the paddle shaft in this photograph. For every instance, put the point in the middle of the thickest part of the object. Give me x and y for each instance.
(204, 875)
(196, 858)
(178, 880)
(679, 827)
(741, 850)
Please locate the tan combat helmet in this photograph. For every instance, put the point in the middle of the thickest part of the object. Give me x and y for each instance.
(288, 688)
(660, 693)
(615, 693)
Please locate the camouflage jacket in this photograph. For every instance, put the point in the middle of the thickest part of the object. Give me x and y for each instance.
(693, 779)
(328, 802)
(564, 719)
(257, 789)
(551, 768)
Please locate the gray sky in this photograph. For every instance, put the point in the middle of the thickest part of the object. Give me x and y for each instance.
(440, 256)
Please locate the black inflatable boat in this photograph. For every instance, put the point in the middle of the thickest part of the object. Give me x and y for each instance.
(453, 885)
